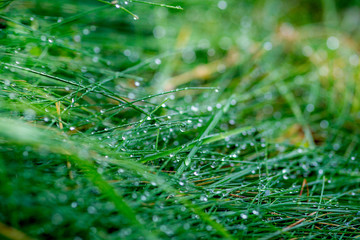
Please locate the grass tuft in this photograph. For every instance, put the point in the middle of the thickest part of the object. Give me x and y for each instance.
(225, 120)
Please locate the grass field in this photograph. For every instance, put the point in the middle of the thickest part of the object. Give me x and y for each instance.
(199, 119)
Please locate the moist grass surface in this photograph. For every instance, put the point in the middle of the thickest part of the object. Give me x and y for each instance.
(179, 119)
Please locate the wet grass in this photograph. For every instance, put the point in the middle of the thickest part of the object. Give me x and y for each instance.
(220, 120)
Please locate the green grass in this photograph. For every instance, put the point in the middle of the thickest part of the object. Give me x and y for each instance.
(198, 120)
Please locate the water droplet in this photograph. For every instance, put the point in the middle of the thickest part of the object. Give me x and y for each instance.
(332, 43)
(155, 218)
(203, 198)
(91, 210)
(243, 216)
(354, 60)
(97, 49)
(157, 61)
(268, 46)
(324, 124)
(194, 108)
(222, 5)
(57, 219)
(86, 31)
(307, 51)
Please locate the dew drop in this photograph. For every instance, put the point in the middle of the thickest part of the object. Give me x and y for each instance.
(243, 216)
(157, 61)
(333, 43)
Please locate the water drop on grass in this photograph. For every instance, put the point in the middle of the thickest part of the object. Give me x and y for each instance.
(86, 31)
(332, 43)
(354, 60)
(268, 46)
(324, 124)
(222, 5)
(157, 61)
(203, 198)
(310, 107)
(243, 216)
(91, 210)
(57, 219)
(155, 218)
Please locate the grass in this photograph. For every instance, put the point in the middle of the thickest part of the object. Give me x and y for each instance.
(199, 120)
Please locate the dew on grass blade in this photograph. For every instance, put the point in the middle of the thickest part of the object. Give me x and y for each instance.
(268, 46)
(332, 43)
(222, 5)
(243, 216)
(203, 198)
